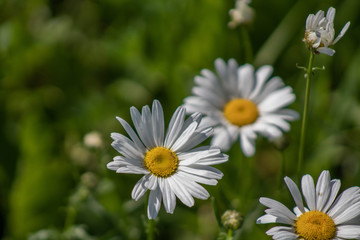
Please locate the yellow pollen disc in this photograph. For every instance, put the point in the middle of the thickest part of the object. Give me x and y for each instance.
(161, 162)
(241, 111)
(315, 225)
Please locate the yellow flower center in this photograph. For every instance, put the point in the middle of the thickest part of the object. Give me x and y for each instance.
(241, 111)
(161, 162)
(315, 225)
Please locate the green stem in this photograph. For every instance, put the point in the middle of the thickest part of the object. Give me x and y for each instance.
(70, 217)
(247, 44)
(150, 229)
(305, 113)
(229, 235)
(282, 169)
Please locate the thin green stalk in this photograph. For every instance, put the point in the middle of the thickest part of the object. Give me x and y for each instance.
(229, 235)
(70, 217)
(246, 44)
(150, 229)
(305, 113)
(282, 169)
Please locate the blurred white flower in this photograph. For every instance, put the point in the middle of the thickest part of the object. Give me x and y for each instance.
(239, 103)
(171, 166)
(241, 14)
(93, 140)
(327, 217)
(320, 33)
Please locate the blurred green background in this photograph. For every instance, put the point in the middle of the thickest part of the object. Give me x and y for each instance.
(68, 67)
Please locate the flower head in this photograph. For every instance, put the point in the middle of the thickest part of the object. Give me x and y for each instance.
(320, 33)
(171, 166)
(241, 103)
(326, 216)
(232, 219)
(241, 14)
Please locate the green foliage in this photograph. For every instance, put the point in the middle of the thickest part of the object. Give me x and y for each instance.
(69, 67)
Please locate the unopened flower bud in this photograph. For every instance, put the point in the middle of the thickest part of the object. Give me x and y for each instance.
(232, 219)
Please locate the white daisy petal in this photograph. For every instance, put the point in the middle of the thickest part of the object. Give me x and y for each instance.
(181, 192)
(215, 81)
(139, 145)
(221, 70)
(343, 200)
(348, 232)
(197, 178)
(287, 114)
(232, 77)
(148, 125)
(223, 138)
(277, 99)
(268, 218)
(322, 190)
(196, 139)
(276, 121)
(195, 189)
(127, 148)
(195, 117)
(168, 195)
(208, 83)
(308, 189)
(154, 203)
(175, 126)
(297, 211)
(194, 156)
(285, 236)
(158, 123)
(184, 137)
(213, 98)
(245, 80)
(276, 229)
(351, 212)
(140, 128)
(152, 182)
(277, 206)
(203, 170)
(131, 169)
(262, 74)
(325, 50)
(342, 32)
(309, 21)
(209, 121)
(247, 144)
(220, 158)
(330, 15)
(267, 130)
(197, 104)
(335, 186)
(272, 85)
(294, 190)
(139, 189)
(128, 161)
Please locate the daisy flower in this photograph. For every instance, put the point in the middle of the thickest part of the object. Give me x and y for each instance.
(326, 217)
(241, 103)
(320, 33)
(171, 166)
